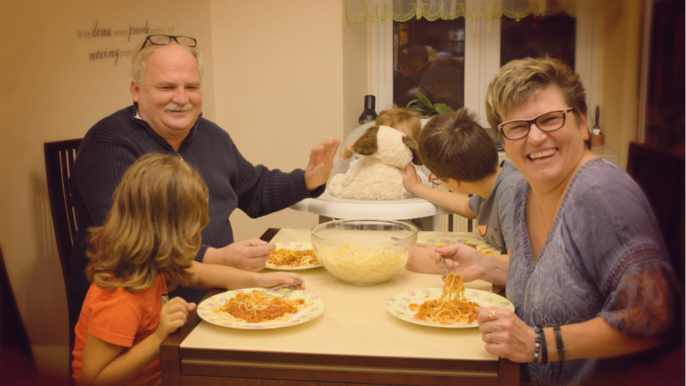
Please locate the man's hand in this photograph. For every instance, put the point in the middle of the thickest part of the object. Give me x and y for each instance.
(348, 152)
(248, 255)
(410, 178)
(321, 163)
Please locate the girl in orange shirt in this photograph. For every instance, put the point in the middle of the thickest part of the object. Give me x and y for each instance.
(149, 238)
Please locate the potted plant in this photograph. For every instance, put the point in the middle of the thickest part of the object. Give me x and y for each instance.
(424, 105)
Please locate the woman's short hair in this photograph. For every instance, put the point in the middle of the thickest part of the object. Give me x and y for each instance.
(519, 79)
(394, 117)
(454, 145)
(153, 226)
(140, 58)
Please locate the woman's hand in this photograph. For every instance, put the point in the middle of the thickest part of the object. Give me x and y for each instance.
(348, 152)
(173, 315)
(461, 259)
(506, 335)
(275, 278)
(248, 255)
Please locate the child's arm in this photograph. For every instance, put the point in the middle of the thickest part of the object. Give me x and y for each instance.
(420, 261)
(343, 160)
(206, 276)
(104, 363)
(455, 203)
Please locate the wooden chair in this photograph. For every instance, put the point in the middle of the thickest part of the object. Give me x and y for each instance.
(59, 160)
(661, 176)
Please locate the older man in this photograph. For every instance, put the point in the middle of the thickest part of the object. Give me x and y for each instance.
(165, 118)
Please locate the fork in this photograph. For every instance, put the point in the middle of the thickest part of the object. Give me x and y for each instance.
(296, 282)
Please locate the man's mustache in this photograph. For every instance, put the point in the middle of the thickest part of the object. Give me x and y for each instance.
(172, 106)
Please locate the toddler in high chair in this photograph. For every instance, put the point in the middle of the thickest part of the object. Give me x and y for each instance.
(404, 120)
(149, 239)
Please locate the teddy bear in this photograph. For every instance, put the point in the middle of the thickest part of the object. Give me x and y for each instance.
(376, 175)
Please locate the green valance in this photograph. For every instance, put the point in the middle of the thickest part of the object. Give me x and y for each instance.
(403, 10)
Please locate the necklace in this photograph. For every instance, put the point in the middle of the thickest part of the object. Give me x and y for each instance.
(548, 225)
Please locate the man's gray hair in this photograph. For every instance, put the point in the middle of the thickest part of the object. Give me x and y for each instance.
(140, 59)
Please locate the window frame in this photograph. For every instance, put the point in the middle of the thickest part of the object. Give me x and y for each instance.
(482, 57)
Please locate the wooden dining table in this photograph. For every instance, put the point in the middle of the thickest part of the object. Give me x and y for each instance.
(355, 341)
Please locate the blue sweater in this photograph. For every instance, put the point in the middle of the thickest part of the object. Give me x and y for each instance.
(115, 142)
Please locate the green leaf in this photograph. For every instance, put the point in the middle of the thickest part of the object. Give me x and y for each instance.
(422, 98)
(411, 102)
(442, 108)
(418, 108)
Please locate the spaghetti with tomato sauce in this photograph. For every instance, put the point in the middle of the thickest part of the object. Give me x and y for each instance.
(293, 258)
(451, 308)
(258, 306)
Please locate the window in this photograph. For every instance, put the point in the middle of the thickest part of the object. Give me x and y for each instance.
(428, 56)
(472, 52)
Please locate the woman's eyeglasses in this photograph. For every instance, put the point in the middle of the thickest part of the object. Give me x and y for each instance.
(520, 128)
(434, 180)
(161, 40)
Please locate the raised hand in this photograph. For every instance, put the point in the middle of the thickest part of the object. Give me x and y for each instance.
(348, 152)
(321, 163)
(410, 178)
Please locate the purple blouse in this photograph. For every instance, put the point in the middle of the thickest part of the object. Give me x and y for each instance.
(604, 257)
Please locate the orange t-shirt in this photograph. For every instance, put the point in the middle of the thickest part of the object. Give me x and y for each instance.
(122, 318)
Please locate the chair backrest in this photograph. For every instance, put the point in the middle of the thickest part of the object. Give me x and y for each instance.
(59, 159)
(661, 176)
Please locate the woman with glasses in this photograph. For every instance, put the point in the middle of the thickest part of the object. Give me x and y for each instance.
(589, 275)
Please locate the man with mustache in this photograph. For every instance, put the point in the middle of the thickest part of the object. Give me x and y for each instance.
(166, 118)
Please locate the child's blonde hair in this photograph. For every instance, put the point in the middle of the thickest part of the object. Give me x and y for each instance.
(154, 225)
(394, 117)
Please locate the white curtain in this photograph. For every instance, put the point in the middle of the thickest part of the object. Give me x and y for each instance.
(403, 10)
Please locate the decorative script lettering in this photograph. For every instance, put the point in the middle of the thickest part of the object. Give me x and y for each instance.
(108, 32)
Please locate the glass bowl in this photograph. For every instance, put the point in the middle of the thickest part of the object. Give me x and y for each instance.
(364, 252)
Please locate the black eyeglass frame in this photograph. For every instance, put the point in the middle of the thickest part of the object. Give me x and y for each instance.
(531, 121)
(147, 39)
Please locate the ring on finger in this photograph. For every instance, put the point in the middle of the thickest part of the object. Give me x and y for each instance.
(491, 314)
(489, 338)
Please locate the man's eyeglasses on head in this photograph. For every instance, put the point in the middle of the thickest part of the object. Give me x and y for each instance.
(161, 40)
(519, 128)
(434, 180)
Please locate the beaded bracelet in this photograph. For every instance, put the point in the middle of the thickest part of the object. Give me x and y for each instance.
(537, 347)
(544, 348)
(560, 345)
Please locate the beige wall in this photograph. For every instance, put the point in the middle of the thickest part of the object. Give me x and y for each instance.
(52, 91)
(620, 49)
(287, 78)
(280, 78)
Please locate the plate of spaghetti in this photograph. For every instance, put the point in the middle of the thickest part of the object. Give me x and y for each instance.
(260, 308)
(292, 257)
(452, 306)
(480, 245)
